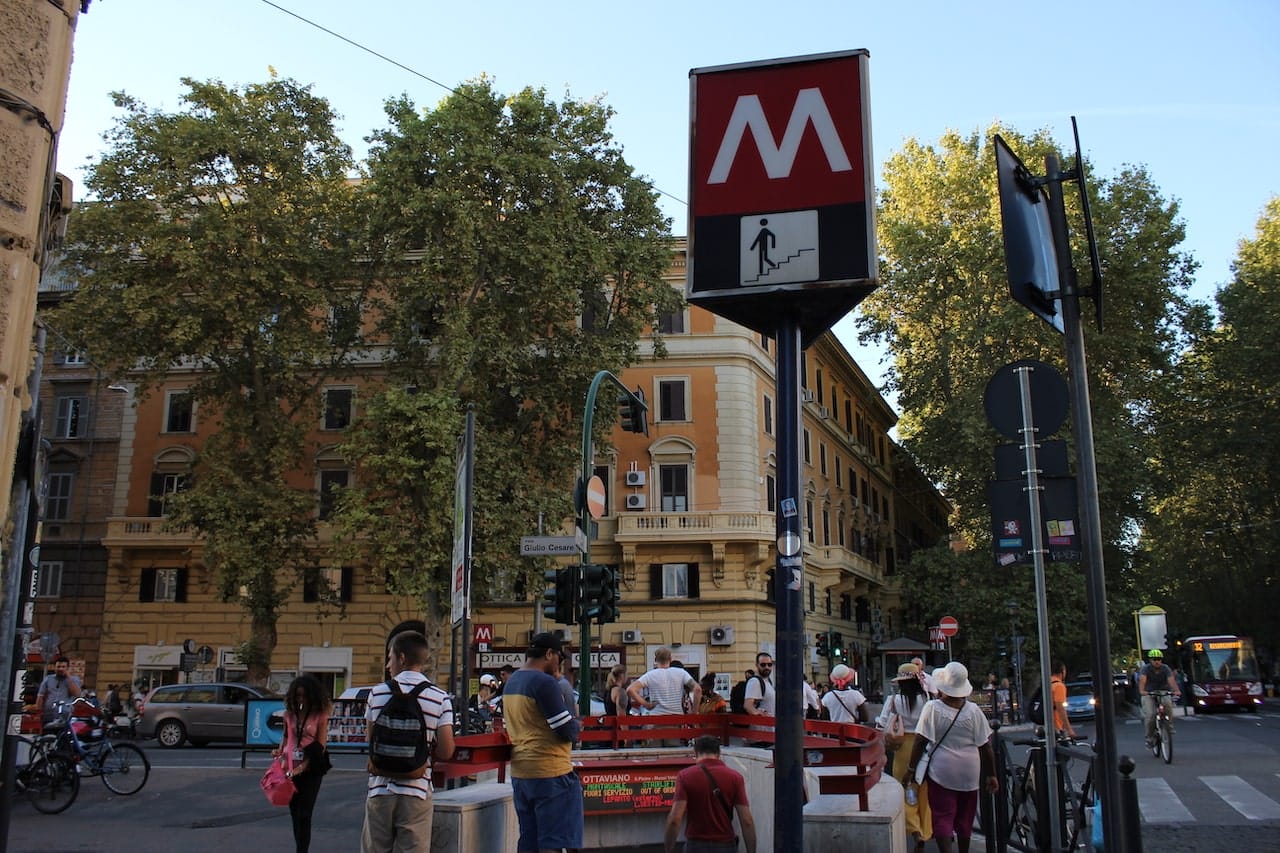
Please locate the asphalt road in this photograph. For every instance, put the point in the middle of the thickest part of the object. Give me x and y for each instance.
(1221, 793)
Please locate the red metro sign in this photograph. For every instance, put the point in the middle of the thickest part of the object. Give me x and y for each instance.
(780, 190)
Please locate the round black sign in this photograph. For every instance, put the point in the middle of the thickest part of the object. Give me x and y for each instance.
(1002, 399)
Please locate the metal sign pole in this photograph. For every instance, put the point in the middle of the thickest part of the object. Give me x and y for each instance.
(1042, 603)
(788, 776)
(1108, 779)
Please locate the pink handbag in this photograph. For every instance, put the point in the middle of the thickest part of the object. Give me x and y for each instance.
(278, 787)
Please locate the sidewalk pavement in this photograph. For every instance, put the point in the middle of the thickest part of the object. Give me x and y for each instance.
(193, 810)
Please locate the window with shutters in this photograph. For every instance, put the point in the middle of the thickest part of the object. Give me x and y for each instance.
(70, 417)
(330, 584)
(57, 500)
(163, 486)
(338, 404)
(672, 400)
(674, 580)
(163, 585)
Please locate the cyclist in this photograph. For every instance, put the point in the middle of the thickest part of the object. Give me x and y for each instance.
(1156, 676)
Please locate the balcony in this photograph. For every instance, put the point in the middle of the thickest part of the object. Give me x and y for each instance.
(690, 526)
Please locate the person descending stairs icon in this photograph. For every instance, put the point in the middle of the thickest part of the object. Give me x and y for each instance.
(764, 241)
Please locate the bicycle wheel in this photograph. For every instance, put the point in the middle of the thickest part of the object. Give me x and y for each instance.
(52, 783)
(125, 768)
(1166, 741)
(1155, 743)
(1023, 814)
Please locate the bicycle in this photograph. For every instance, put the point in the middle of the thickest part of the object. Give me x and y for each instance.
(49, 780)
(124, 767)
(1025, 802)
(1162, 745)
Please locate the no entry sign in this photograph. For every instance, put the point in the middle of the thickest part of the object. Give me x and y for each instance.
(780, 190)
(948, 626)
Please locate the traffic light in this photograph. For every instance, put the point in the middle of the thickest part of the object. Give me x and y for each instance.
(837, 645)
(600, 593)
(560, 598)
(1002, 647)
(821, 640)
(633, 414)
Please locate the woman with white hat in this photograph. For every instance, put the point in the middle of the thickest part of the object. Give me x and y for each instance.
(959, 757)
(844, 704)
(898, 721)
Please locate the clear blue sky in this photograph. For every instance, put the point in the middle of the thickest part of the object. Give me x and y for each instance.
(1191, 90)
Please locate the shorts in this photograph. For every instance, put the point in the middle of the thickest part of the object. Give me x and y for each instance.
(953, 811)
(549, 812)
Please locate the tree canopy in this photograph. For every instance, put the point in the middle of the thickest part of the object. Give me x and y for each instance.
(221, 243)
(1211, 547)
(944, 311)
(496, 253)
(535, 258)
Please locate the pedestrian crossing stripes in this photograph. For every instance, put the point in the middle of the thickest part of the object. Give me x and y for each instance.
(1160, 804)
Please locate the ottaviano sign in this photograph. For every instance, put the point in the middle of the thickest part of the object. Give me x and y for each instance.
(781, 193)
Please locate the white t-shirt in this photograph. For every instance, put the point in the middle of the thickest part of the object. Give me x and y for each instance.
(762, 689)
(842, 705)
(437, 709)
(666, 687)
(955, 762)
(909, 714)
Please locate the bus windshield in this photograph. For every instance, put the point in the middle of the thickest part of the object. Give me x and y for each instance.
(1222, 659)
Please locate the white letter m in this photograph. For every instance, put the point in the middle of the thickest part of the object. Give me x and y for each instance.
(748, 114)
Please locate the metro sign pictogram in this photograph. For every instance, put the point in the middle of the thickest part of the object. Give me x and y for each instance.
(780, 190)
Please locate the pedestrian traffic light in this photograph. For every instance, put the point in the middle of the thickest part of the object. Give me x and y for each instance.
(600, 593)
(837, 645)
(821, 640)
(633, 414)
(560, 598)
(1002, 647)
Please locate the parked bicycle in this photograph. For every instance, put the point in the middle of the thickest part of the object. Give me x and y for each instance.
(48, 780)
(1162, 745)
(124, 767)
(1027, 802)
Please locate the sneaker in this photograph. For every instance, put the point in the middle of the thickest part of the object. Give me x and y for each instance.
(1151, 742)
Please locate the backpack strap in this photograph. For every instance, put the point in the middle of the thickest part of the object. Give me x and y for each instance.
(719, 795)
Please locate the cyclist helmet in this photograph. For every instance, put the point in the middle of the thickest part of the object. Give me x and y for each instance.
(1155, 654)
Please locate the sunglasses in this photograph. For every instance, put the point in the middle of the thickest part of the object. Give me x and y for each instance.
(765, 665)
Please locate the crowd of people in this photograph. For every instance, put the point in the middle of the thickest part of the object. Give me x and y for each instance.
(939, 741)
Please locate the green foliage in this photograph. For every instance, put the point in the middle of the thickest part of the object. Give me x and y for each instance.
(222, 238)
(1213, 543)
(943, 309)
(535, 257)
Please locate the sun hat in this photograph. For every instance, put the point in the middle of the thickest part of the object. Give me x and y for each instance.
(841, 675)
(953, 680)
(488, 679)
(907, 671)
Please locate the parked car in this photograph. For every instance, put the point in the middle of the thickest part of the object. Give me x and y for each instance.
(1081, 702)
(197, 713)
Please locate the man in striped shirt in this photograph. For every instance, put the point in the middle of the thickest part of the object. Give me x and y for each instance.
(397, 813)
(545, 788)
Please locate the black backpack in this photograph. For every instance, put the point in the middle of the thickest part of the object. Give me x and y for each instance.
(398, 743)
(738, 698)
(1035, 707)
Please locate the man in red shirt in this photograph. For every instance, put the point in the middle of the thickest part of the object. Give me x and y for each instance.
(708, 794)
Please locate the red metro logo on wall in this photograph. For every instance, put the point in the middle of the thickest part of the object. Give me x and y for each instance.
(780, 191)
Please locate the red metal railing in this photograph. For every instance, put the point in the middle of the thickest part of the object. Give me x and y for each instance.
(856, 750)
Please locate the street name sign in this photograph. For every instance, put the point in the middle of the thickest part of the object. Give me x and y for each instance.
(781, 197)
(551, 546)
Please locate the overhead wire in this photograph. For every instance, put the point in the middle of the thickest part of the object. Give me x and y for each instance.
(410, 70)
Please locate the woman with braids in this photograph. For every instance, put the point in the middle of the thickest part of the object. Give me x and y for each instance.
(303, 751)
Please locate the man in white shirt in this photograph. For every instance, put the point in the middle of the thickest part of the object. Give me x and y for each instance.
(666, 686)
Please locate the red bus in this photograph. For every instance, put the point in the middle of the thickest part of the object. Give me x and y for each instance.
(1222, 672)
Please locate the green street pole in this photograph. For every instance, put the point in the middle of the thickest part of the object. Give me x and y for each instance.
(584, 524)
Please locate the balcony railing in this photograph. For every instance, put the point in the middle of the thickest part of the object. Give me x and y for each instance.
(694, 525)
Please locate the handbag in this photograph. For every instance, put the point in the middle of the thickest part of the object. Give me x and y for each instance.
(894, 732)
(318, 761)
(278, 787)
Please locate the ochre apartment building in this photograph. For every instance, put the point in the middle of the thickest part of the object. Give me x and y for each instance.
(689, 523)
